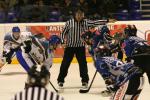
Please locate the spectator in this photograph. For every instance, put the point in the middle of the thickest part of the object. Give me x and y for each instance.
(84, 5)
(34, 13)
(55, 12)
(2, 12)
(67, 10)
(47, 2)
(95, 7)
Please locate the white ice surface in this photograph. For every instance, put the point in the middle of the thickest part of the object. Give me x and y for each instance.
(13, 77)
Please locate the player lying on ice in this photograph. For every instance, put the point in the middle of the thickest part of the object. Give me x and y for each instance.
(28, 49)
(114, 72)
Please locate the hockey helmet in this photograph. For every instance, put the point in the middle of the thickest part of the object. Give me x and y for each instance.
(16, 29)
(54, 40)
(130, 30)
(102, 49)
(105, 29)
(38, 78)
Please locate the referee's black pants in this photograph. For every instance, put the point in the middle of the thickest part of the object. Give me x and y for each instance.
(69, 53)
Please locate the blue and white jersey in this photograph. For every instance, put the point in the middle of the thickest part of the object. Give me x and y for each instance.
(45, 57)
(109, 66)
(11, 43)
(116, 70)
(133, 42)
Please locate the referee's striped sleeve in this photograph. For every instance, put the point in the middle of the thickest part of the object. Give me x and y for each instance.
(96, 22)
(64, 32)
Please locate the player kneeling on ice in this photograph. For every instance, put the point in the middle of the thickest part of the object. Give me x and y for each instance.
(36, 90)
(114, 72)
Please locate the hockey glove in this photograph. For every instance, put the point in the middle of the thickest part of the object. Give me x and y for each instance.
(8, 60)
(27, 46)
(8, 56)
(128, 59)
(108, 81)
(112, 88)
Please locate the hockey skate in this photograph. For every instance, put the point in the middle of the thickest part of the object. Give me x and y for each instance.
(106, 93)
(84, 86)
(60, 87)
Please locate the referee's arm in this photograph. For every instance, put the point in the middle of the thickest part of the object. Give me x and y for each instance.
(100, 22)
(64, 32)
(97, 22)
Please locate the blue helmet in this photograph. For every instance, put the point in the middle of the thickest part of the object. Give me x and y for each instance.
(16, 29)
(54, 39)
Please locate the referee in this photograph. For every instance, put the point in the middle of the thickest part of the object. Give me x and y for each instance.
(74, 46)
(36, 90)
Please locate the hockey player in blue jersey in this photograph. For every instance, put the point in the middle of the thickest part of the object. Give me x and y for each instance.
(137, 52)
(114, 72)
(92, 37)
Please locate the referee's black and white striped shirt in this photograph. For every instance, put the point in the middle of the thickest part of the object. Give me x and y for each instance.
(37, 93)
(73, 30)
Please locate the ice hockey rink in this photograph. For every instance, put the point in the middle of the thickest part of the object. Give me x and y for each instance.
(13, 77)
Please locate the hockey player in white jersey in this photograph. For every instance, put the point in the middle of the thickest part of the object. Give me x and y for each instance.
(15, 43)
(49, 46)
(29, 50)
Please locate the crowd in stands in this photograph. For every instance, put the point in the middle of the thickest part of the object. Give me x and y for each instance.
(23, 11)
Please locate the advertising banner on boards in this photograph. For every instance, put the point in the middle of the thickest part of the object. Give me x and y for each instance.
(48, 29)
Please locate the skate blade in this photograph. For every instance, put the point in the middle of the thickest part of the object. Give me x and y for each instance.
(106, 94)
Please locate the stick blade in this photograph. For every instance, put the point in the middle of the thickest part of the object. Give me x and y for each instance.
(83, 91)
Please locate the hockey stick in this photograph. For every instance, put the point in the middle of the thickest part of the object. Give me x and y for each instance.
(1, 67)
(49, 80)
(53, 86)
(85, 91)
